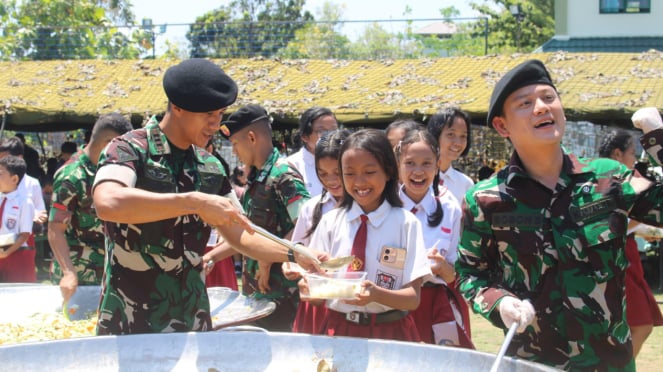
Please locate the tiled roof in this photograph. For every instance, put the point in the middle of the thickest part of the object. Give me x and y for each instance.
(599, 87)
(604, 44)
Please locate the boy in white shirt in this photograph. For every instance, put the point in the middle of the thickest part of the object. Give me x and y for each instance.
(17, 259)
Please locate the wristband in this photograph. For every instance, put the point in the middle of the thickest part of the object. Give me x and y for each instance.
(291, 256)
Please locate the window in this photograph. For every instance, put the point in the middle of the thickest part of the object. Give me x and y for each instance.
(624, 6)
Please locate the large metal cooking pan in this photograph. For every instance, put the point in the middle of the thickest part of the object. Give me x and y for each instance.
(19, 302)
(245, 351)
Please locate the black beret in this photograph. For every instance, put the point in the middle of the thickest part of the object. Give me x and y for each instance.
(199, 85)
(527, 73)
(242, 118)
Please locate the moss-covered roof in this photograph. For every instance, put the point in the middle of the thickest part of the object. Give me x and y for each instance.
(604, 88)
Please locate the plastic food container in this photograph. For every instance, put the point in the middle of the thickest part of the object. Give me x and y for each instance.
(337, 285)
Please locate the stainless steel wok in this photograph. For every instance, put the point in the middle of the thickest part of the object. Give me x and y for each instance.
(245, 351)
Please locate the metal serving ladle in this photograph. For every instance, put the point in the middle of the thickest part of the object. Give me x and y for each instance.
(330, 265)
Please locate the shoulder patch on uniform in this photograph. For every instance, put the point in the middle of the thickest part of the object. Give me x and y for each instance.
(125, 153)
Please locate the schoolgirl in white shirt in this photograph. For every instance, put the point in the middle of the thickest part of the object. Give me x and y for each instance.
(451, 128)
(309, 317)
(312, 124)
(442, 316)
(394, 255)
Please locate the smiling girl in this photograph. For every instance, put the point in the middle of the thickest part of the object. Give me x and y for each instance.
(442, 317)
(451, 128)
(393, 255)
(327, 151)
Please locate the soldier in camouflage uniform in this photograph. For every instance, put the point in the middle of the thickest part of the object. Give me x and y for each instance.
(275, 193)
(74, 233)
(543, 240)
(159, 192)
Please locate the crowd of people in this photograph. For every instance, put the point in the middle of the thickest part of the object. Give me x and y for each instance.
(542, 245)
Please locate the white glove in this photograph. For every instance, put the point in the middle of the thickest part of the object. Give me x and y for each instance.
(513, 310)
(647, 119)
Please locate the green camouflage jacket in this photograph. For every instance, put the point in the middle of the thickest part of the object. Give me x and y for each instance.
(272, 200)
(564, 251)
(152, 279)
(72, 205)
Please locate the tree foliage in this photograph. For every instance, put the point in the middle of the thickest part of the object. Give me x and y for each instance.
(247, 28)
(505, 32)
(83, 29)
(321, 39)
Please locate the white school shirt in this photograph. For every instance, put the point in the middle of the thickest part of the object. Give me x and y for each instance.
(304, 162)
(388, 226)
(305, 218)
(18, 214)
(31, 188)
(457, 182)
(446, 235)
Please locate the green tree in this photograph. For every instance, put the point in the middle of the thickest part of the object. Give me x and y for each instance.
(465, 40)
(321, 39)
(377, 43)
(83, 29)
(247, 28)
(505, 32)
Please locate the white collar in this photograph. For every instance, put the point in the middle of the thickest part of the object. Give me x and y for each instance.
(428, 203)
(376, 218)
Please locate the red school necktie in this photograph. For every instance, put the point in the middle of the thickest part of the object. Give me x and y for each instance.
(359, 246)
(414, 210)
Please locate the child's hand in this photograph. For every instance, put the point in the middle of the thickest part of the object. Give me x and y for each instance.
(437, 259)
(4, 253)
(440, 267)
(304, 293)
(291, 271)
(262, 276)
(365, 296)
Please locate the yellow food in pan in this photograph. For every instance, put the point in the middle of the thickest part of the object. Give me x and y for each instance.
(45, 327)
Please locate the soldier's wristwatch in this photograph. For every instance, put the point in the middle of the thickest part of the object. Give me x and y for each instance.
(291, 256)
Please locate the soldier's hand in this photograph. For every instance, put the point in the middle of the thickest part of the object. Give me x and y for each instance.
(220, 211)
(513, 310)
(647, 119)
(68, 285)
(262, 276)
(309, 264)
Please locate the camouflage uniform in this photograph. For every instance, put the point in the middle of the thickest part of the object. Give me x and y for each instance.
(72, 205)
(272, 201)
(152, 279)
(563, 250)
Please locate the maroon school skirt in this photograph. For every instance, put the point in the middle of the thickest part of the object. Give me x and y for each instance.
(436, 307)
(223, 274)
(309, 318)
(641, 306)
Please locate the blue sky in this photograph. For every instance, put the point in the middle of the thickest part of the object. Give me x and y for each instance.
(174, 12)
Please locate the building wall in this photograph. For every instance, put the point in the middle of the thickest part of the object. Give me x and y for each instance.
(574, 18)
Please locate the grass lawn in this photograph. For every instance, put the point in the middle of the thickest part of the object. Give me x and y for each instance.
(488, 338)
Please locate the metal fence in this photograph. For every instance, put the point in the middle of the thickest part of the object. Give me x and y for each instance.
(366, 39)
